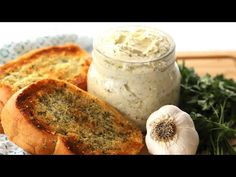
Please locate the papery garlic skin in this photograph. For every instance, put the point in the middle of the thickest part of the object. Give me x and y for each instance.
(185, 140)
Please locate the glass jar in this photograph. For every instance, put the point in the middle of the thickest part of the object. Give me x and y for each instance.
(135, 88)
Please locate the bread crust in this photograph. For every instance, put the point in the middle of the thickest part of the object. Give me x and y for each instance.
(6, 91)
(69, 49)
(23, 133)
(36, 138)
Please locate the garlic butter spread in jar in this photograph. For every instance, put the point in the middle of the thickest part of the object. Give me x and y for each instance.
(134, 70)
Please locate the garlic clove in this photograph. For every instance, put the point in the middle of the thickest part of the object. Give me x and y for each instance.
(184, 120)
(156, 148)
(186, 137)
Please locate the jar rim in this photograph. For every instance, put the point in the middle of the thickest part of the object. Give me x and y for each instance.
(169, 52)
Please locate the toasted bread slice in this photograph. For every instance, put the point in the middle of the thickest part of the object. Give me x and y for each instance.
(68, 62)
(56, 117)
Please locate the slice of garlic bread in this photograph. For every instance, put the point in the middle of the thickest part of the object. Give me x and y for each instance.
(56, 117)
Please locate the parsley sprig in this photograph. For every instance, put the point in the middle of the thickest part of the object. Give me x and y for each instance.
(211, 102)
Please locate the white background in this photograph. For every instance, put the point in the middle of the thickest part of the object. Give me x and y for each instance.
(188, 36)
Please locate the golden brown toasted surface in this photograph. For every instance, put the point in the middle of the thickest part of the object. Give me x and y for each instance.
(82, 123)
(67, 62)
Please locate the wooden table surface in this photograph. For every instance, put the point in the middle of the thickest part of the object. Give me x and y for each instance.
(215, 62)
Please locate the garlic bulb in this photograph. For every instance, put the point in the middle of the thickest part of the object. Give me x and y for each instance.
(171, 131)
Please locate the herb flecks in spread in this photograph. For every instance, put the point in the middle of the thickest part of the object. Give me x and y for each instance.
(134, 70)
(135, 44)
(141, 43)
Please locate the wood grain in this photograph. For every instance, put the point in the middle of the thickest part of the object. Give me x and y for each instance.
(206, 54)
(218, 62)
